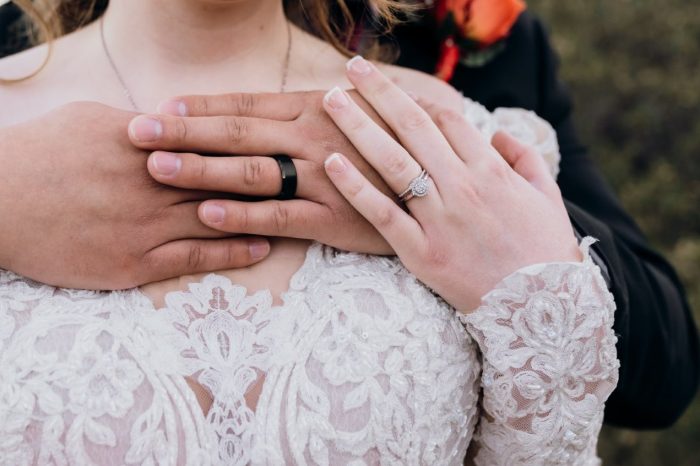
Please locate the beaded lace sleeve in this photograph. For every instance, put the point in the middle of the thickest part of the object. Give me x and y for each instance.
(549, 364)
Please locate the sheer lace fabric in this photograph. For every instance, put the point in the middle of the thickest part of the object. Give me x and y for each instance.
(360, 364)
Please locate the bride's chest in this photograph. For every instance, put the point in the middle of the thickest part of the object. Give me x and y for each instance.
(358, 360)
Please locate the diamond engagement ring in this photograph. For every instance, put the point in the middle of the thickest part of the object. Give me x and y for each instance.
(418, 187)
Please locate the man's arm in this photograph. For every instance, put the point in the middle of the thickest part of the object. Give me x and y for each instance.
(658, 343)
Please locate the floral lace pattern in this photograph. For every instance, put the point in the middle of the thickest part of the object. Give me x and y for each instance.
(549, 364)
(359, 365)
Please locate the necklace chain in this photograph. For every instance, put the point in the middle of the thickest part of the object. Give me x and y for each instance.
(127, 92)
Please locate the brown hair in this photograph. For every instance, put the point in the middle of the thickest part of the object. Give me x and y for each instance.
(334, 22)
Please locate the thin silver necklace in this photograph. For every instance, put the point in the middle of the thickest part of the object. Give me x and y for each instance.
(129, 95)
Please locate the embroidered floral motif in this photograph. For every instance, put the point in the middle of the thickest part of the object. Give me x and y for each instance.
(361, 364)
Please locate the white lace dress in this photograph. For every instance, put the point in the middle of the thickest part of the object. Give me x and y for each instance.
(360, 365)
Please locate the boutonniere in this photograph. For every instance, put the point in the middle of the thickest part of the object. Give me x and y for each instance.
(472, 32)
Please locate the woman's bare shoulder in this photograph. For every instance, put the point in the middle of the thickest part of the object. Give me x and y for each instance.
(16, 92)
(24, 93)
(426, 86)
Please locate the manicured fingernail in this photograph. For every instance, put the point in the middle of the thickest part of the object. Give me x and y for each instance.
(336, 99)
(258, 248)
(145, 129)
(214, 213)
(173, 107)
(358, 65)
(335, 164)
(166, 163)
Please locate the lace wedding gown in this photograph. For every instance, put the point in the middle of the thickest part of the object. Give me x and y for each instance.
(360, 365)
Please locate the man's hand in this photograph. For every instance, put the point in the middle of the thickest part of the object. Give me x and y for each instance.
(257, 126)
(78, 209)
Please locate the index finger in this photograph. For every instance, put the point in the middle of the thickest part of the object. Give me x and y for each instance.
(275, 106)
(215, 135)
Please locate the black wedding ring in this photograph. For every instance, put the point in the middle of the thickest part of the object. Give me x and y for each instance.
(289, 177)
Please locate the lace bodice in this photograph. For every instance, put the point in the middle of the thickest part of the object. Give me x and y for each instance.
(360, 364)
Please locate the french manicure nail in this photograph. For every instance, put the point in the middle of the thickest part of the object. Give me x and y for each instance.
(336, 98)
(258, 248)
(214, 213)
(145, 129)
(335, 164)
(358, 65)
(166, 163)
(173, 107)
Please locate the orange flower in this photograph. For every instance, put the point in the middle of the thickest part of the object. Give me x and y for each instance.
(489, 20)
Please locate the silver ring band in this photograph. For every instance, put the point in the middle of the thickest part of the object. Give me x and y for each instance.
(418, 187)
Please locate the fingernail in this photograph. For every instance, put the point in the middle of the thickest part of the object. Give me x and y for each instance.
(214, 213)
(336, 99)
(358, 65)
(173, 107)
(335, 163)
(258, 248)
(413, 96)
(166, 163)
(145, 129)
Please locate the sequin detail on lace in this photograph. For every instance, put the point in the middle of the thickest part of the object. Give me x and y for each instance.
(549, 364)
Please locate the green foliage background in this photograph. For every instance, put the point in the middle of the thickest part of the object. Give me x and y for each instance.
(634, 69)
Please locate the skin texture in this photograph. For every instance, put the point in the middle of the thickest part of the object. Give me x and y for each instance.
(453, 232)
(116, 227)
(481, 209)
(105, 228)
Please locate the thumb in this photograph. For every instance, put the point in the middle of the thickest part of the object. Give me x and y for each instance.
(524, 161)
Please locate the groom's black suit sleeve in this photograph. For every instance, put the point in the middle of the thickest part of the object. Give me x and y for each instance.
(657, 339)
(657, 346)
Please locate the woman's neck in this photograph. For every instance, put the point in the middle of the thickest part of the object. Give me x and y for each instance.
(196, 32)
(193, 44)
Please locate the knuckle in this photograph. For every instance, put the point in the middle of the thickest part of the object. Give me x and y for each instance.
(414, 120)
(396, 163)
(517, 151)
(242, 220)
(229, 254)
(281, 218)
(385, 217)
(495, 167)
(467, 191)
(243, 104)
(199, 106)
(355, 188)
(236, 130)
(446, 116)
(436, 256)
(202, 169)
(179, 129)
(252, 172)
(195, 256)
(356, 123)
(382, 87)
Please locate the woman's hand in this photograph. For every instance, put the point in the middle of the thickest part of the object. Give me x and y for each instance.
(484, 216)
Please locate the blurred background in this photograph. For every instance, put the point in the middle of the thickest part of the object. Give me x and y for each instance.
(634, 69)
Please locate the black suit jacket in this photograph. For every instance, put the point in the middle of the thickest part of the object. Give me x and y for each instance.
(658, 345)
(657, 339)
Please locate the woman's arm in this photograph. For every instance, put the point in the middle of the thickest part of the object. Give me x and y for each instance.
(549, 364)
(545, 331)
